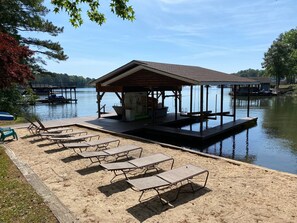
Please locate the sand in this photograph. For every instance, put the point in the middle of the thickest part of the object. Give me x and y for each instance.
(235, 192)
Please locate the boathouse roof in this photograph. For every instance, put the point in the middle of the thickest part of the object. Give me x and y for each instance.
(144, 74)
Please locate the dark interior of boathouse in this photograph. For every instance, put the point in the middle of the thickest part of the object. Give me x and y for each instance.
(142, 87)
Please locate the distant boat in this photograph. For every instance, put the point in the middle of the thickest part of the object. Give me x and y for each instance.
(54, 99)
(6, 116)
(253, 91)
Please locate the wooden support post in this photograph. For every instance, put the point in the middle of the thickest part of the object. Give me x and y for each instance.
(99, 98)
(248, 105)
(234, 101)
(180, 100)
(117, 94)
(175, 100)
(222, 103)
(163, 98)
(153, 106)
(207, 88)
(99, 104)
(49, 92)
(191, 99)
(201, 109)
(75, 95)
(123, 106)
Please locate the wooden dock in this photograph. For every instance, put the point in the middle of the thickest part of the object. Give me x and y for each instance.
(206, 135)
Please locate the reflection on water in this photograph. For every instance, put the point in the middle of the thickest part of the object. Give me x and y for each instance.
(272, 143)
(227, 148)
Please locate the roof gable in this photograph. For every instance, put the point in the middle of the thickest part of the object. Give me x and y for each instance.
(189, 75)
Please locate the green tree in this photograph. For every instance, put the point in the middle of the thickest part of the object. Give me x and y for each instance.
(22, 18)
(74, 10)
(10, 99)
(61, 79)
(281, 58)
(250, 73)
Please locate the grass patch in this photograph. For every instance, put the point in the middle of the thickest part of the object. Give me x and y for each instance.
(18, 200)
(19, 120)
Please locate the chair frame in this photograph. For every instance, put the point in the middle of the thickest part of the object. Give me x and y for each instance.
(99, 156)
(140, 169)
(178, 184)
(34, 129)
(87, 144)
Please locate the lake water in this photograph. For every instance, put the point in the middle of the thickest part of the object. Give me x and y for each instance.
(271, 143)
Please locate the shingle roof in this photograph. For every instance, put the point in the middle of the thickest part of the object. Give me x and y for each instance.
(190, 74)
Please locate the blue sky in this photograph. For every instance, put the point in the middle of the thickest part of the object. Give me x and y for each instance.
(227, 35)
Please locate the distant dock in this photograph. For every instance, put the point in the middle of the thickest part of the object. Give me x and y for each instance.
(55, 94)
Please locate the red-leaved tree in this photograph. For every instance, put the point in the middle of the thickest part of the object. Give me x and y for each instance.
(13, 57)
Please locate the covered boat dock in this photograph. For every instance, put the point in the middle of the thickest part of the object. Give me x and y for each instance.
(142, 88)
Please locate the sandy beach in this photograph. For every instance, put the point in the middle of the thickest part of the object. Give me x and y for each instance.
(235, 191)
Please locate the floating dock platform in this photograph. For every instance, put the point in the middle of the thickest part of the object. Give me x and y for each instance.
(204, 137)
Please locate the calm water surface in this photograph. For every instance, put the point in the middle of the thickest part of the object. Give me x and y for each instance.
(272, 143)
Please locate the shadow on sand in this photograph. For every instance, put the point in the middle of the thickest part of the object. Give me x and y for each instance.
(151, 207)
(72, 158)
(89, 170)
(114, 188)
(28, 136)
(38, 140)
(60, 149)
(47, 144)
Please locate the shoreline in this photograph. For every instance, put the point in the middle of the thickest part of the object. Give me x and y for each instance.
(235, 190)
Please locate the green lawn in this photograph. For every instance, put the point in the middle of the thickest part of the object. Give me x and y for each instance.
(17, 121)
(18, 200)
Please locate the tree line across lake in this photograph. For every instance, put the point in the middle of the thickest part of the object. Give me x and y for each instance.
(56, 79)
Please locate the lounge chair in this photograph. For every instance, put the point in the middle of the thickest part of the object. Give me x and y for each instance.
(62, 140)
(51, 128)
(99, 144)
(6, 132)
(62, 134)
(144, 164)
(35, 128)
(118, 152)
(169, 179)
